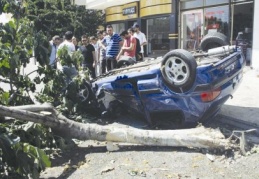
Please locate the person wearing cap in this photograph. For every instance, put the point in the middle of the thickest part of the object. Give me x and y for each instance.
(142, 39)
(54, 43)
(113, 43)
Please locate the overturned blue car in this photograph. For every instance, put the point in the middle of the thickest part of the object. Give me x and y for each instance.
(178, 88)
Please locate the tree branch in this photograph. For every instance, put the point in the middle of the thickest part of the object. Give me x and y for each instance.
(197, 137)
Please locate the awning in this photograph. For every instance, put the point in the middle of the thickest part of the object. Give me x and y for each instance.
(102, 4)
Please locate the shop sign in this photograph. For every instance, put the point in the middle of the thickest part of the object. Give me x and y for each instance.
(129, 10)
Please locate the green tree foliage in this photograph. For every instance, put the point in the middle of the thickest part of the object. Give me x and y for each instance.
(20, 159)
(27, 36)
(57, 17)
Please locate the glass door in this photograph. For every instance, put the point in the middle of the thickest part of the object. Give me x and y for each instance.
(242, 27)
(192, 29)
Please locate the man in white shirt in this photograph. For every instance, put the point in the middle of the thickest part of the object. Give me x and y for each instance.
(68, 42)
(142, 40)
(70, 72)
(54, 43)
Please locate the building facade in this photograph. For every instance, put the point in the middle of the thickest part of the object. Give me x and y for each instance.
(170, 24)
(154, 18)
(200, 17)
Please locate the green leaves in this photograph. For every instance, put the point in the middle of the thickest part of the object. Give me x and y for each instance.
(4, 98)
(31, 160)
(22, 157)
(65, 57)
(76, 58)
(42, 48)
(4, 63)
(33, 24)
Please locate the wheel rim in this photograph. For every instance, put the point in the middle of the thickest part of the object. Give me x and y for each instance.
(84, 94)
(177, 70)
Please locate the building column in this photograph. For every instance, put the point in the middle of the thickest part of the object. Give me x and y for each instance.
(174, 25)
(255, 52)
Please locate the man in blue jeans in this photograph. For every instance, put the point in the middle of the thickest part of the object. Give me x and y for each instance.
(113, 43)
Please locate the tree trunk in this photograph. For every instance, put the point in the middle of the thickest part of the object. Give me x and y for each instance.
(197, 137)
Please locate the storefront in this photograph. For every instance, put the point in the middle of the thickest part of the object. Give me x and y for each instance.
(122, 17)
(200, 17)
(171, 24)
(154, 17)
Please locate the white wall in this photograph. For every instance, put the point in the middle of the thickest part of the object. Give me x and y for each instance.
(255, 52)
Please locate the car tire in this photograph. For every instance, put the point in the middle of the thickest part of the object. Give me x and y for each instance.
(213, 40)
(178, 70)
(85, 92)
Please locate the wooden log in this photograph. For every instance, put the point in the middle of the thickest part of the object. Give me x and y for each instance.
(199, 137)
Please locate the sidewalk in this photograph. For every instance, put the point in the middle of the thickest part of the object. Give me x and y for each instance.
(245, 103)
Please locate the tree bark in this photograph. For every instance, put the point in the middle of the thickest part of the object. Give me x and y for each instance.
(197, 137)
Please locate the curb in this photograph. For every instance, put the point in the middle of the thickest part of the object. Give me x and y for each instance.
(237, 123)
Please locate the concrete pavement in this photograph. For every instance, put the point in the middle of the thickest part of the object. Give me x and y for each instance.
(244, 106)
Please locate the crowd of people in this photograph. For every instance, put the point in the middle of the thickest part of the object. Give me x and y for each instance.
(100, 53)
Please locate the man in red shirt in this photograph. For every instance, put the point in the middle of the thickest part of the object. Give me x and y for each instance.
(128, 48)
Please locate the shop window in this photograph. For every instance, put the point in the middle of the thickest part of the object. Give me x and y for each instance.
(191, 29)
(213, 2)
(217, 20)
(157, 35)
(191, 4)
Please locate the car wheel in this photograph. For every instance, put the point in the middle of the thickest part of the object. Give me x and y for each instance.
(85, 93)
(178, 70)
(213, 40)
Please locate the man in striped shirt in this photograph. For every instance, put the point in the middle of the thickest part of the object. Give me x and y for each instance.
(113, 43)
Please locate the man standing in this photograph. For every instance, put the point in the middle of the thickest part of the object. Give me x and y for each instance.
(88, 52)
(74, 40)
(142, 39)
(101, 50)
(54, 43)
(129, 46)
(68, 42)
(138, 48)
(113, 43)
(93, 41)
(67, 69)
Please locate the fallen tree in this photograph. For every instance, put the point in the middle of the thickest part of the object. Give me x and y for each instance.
(199, 137)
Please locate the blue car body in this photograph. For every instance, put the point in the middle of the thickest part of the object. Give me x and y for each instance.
(141, 88)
